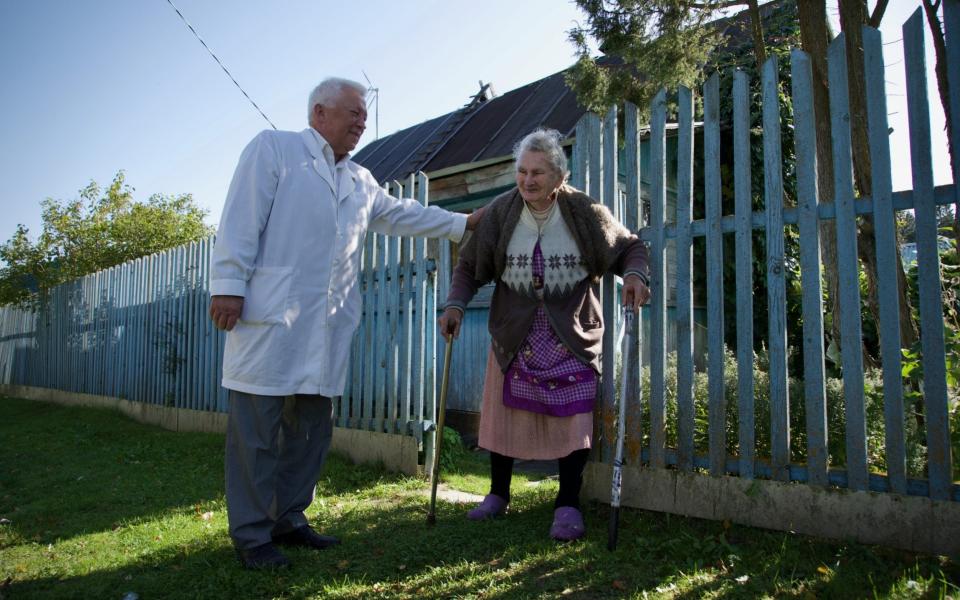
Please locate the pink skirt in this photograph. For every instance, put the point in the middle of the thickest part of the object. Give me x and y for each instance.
(524, 434)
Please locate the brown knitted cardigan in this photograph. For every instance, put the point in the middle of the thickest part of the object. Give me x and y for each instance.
(577, 319)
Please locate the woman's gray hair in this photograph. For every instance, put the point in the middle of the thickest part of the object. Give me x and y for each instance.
(547, 141)
(329, 89)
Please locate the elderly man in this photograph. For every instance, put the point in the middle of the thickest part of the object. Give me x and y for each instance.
(284, 285)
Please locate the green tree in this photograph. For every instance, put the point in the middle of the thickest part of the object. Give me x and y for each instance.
(617, 19)
(657, 43)
(102, 228)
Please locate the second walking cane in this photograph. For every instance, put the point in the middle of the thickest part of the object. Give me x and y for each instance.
(438, 443)
(627, 360)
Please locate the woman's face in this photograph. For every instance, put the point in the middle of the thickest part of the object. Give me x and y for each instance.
(536, 178)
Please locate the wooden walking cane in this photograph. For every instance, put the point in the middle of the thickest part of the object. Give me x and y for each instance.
(625, 365)
(438, 444)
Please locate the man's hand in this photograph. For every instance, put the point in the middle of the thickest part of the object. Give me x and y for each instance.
(449, 323)
(225, 310)
(634, 292)
(474, 218)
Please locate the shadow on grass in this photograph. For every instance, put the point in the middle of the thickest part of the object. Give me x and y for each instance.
(142, 476)
(71, 471)
(76, 470)
(392, 553)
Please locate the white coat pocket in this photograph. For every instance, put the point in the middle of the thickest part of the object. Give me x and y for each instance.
(267, 292)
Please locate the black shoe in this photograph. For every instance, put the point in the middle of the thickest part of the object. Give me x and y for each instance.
(265, 556)
(307, 537)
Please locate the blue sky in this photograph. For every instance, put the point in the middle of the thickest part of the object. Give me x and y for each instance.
(93, 87)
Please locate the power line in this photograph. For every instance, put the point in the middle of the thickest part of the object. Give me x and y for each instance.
(190, 27)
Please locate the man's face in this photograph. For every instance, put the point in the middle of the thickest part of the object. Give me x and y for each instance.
(343, 123)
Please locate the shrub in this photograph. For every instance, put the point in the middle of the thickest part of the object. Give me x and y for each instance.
(836, 417)
(452, 451)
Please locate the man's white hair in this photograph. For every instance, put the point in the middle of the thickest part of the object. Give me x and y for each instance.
(327, 91)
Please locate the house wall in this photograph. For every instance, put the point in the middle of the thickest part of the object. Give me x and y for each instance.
(456, 189)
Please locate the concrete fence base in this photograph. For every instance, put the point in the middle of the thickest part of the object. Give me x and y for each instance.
(908, 522)
(397, 453)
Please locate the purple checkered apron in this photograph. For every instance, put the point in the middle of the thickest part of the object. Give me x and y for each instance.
(545, 377)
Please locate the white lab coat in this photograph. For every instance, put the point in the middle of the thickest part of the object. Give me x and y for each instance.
(290, 244)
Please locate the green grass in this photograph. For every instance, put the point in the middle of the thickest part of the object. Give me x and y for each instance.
(99, 506)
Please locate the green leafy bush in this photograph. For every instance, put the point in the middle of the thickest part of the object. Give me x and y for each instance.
(452, 452)
(913, 409)
(836, 418)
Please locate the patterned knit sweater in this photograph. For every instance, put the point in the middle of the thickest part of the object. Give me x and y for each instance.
(581, 241)
(564, 267)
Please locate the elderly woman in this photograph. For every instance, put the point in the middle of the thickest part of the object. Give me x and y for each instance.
(546, 245)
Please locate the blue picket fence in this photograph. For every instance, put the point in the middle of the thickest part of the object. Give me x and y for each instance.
(595, 168)
(391, 386)
(140, 331)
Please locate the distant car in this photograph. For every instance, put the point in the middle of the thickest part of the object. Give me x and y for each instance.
(908, 252)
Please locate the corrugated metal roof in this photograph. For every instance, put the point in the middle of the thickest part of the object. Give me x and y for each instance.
(482, 129)
(489, 128)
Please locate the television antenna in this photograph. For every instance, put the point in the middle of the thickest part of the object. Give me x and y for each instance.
(373, 95)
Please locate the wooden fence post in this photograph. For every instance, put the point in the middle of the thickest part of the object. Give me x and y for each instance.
(713, 213)
(684, 286)
(658, 278)
(743, 211)
(939, 461)
(814, 387)
(887, 265)
(851, 343)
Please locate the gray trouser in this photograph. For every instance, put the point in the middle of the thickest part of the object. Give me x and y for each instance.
(275, 450)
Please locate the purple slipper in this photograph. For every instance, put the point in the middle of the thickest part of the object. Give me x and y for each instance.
(567, 524)
(492, 506)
